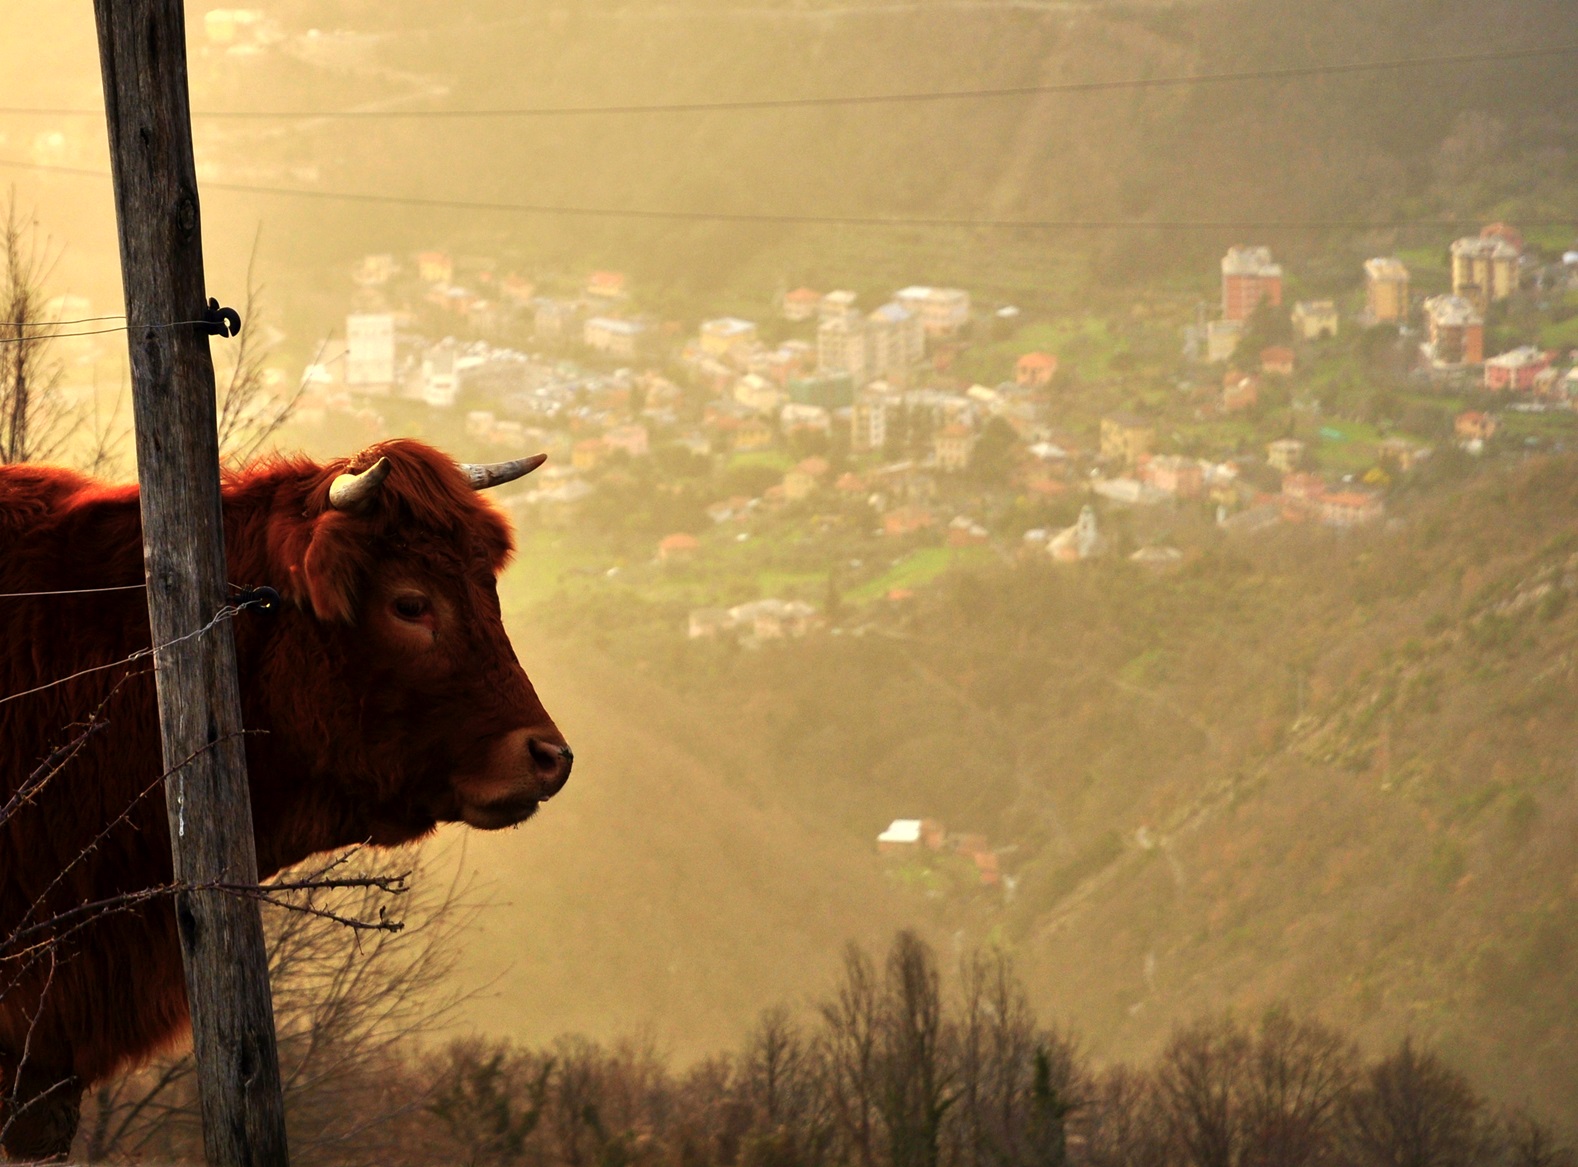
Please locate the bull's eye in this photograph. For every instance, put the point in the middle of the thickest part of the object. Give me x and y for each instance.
(411, 607)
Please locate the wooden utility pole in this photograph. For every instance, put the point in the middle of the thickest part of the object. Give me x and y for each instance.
(142, 53)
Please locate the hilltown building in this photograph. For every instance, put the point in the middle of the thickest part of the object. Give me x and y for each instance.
(1248, 277)
(1315, 319)
(1385, 290)
(1515, 371)
(1456, 334)
(941, 311)
(1485, 268)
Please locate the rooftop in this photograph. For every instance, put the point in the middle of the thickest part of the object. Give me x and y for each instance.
(1452, 310)
(1250, 261)
(901, 831)
(1385, 267)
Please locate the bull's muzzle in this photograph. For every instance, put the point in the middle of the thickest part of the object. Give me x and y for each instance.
(524, 769)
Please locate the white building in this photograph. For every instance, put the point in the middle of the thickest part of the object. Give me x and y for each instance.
(868, 424)
(758, 393)
(895, 340)
(1081, 541)
(370, 351)
(941, 311)
(617, 338)
(440, 375)
(834, 304)
(841, 346)
(1221, 339)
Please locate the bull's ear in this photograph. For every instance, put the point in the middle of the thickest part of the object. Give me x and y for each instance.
(335, 563)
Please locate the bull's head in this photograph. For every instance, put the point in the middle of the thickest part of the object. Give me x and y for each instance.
(429, 716)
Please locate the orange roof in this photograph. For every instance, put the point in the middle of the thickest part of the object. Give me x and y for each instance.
(679, 542)
(802, 294)
(1037, 361)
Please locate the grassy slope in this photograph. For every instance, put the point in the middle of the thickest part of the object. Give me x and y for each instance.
(1351, 756)
(659, 892)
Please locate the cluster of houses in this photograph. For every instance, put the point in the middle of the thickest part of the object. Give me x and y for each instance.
(912, 838)
(755, 622)
(863, 375)
(1485, 269)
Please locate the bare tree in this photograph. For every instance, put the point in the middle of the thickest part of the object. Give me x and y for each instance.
(1527, 1142)
(34, 425)
(1411, 1109)
(250, 411)
(1124, 1124)
(1199, 1081)
(347, 1005)
(1299, 1073)
(917, 1071)
(1016, 1084)
(783, 1080)
(489, 1099)
(852, 1022)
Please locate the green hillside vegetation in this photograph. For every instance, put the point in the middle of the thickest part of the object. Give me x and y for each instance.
(1330, 769)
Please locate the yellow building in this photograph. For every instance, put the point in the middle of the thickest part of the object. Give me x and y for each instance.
(721, 336)
(1126, 438)
(1314, 319)
(1484, 269)
(1386, 289)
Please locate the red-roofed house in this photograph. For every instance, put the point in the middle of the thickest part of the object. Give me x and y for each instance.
(1277, 359)
(906, 520)
(607, 285)
(1239, 392)
(800, 304)
(1035, 369)
(1515, 371)
(1350, 508)
(677, 546)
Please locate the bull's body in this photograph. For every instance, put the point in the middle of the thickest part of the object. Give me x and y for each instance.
(364, 723)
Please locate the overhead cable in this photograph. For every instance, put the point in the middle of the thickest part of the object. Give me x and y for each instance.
(895, 221)
(771, 103)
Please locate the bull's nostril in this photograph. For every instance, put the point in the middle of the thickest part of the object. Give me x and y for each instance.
(553, 761)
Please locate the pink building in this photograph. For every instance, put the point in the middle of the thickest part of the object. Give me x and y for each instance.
(1349, 508)
(1176, 475)
(1248, 277)
(1515, 371)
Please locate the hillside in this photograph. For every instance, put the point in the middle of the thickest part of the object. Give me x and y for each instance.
(1477, 140)
(1333, 770)
(1484, 141)
(659, 892)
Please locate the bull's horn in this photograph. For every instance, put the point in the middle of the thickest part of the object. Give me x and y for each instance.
(350, 492)
(486, 474)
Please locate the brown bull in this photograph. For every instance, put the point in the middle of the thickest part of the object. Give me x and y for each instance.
(381, 699)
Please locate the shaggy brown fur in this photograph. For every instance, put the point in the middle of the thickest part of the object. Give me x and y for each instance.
(365, 737)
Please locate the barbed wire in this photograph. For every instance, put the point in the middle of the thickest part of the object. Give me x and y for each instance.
(227, 612)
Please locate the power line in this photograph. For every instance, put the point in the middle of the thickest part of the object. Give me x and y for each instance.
(659, 215)
(93, 332)
(1335, 69)
(60, 323)
(136, 587)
